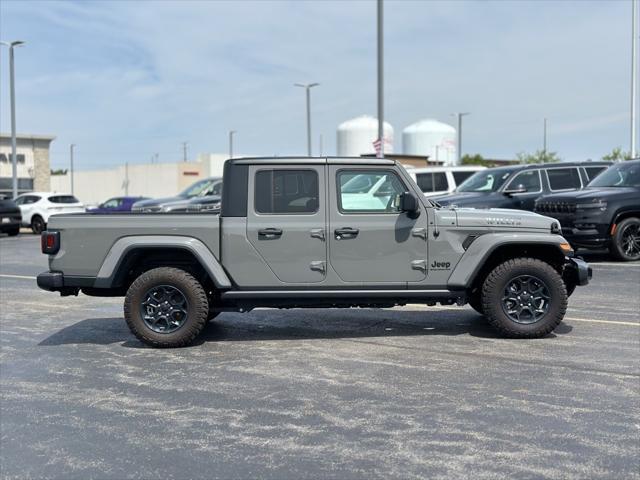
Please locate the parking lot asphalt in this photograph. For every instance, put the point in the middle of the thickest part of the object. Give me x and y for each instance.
(409, 392)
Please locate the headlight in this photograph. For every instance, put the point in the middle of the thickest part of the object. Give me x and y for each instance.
(208, 207)
(172, 208)
(592, 205)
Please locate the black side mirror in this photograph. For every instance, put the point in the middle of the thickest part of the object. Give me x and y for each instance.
(409, 204)
(518, 189)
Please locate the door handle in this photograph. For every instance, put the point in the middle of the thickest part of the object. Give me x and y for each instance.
(346, 232)
(317, 233)
(270, 232)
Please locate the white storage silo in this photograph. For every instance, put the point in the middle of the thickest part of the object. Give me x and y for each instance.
(357, 136)
(431, 137)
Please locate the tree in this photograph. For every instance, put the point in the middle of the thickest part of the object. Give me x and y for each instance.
(60, 171)
(476, 159)
(617, 155)
(540, 156)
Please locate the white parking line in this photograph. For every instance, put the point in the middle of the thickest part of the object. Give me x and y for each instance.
(611, 264)
(19, 277)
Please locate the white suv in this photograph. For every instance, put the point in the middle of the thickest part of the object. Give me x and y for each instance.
(441, 180)
(37, 207)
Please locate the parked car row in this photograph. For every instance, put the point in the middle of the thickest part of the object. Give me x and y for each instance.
(597, 203)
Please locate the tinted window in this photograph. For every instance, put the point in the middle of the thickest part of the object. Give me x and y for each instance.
(626, 174)
(286, 191)
(460, 177)
(217, 189)
(27, 200)
(113, 203)
(380, 195)
(529, 180)
(593, 172)
(432, 182)
(63, 199)
(563, 178)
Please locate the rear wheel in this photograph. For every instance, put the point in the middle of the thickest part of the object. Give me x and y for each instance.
(625, 244)
(166, 307)
(524, 298)
(37, 224)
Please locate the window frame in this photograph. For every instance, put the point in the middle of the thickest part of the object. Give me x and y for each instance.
(551, 189)
(365, 212)
(290, 169)
(508, 185)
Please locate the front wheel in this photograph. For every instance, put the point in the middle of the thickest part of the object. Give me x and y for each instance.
(166, 307)
(625, 244)
(524, 298)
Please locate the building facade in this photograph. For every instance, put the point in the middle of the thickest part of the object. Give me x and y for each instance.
(33, 163)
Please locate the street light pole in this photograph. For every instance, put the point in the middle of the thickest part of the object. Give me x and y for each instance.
(231, 133)
(544, 137)
(12, 88)
(184, 151)
(634, 79)
(71, 147)
(308, 87)
(459, 149)
(380, 79)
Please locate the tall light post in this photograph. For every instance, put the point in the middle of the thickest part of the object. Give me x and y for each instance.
(544, 137)
(71, 148)
(12, 88)
(380, 152)
(231, 133)
(308, 87)
(459, 120)
(634, 78)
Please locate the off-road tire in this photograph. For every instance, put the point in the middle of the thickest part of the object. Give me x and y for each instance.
(197, 312)
(475, 301)
(493, 290)
(617, 248)
(38, 225)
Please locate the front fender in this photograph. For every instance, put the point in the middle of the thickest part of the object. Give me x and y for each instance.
(119, 250)
(482, 247)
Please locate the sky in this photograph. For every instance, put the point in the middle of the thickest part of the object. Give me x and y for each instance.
(124, 80)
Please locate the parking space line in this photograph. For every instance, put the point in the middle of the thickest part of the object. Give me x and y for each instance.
(610, 264)
(593, 320)
(19, 277)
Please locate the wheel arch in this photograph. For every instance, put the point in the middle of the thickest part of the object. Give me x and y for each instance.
(622, 215)
(477, 262)
(139, 253)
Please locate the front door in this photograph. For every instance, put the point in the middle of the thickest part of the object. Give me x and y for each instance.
(370, 241)
(529, 181)
(286, 220)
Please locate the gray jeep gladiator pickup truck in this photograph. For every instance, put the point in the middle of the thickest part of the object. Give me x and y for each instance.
(308, 232)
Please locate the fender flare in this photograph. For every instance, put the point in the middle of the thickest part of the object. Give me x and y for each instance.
(482, 247)
(119, 250)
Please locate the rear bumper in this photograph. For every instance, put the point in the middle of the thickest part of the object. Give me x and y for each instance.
(51, 281)
(10, 226)
(577, 271)
(58, 282)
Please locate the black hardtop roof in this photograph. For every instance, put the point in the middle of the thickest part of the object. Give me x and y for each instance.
(585, 163)
(311, 161)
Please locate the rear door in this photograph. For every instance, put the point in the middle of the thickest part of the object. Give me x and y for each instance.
(286, 220)
(370, 241)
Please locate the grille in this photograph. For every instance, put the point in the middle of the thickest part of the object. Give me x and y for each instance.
(556, 207)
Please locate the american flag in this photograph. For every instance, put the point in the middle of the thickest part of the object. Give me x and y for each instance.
(377, 145)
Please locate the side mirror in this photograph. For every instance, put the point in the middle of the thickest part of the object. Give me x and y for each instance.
(520, 188)
(409, 204)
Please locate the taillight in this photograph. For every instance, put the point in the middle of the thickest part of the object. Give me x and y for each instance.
(50, 242)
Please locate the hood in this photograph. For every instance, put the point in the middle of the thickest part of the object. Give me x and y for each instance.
(502, 218)
(180, 204)
(473, 199)
(8, 206)
(592, 194)
(154, 202)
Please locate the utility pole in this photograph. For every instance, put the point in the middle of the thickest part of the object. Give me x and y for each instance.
(231, 133)
(459, 135)
(71, 148)
(320, 145)
(184, 151)
(380, 79)
(126, 179)
(12, 88)
(308, 87)
(544, 137)
(634, 78)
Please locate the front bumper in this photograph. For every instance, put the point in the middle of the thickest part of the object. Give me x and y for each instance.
(577, 271)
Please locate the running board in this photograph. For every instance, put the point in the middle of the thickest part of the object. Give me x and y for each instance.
(340, 294)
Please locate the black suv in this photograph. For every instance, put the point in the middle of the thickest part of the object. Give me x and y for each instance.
(519, 186)
(10, 217)
(606, 214)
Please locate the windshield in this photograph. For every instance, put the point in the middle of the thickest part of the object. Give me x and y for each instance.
(199, 189)
(621, 175)
(485, 181)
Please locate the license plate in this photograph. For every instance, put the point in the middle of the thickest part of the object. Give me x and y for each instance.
(6, 220)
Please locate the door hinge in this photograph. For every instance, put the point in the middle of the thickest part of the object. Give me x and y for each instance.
(419, 265)
(318, 266)
(317, 233)
(419, 232)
